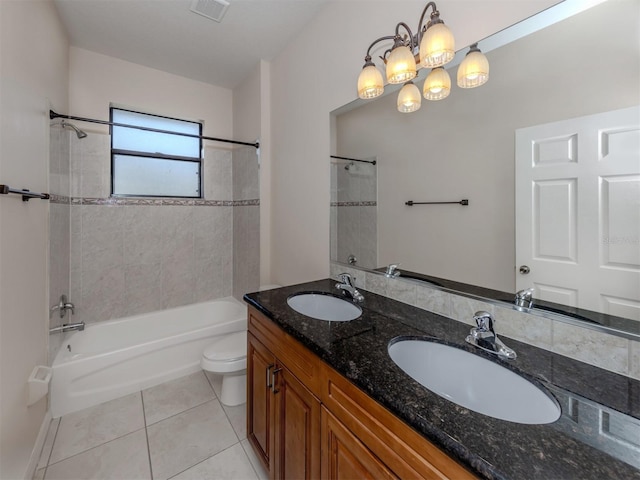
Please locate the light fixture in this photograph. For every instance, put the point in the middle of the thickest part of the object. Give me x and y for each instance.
(474, 69)
(432, 47)
(401, 65)
(409, 99)
(438, 47)
(370, 83)
(437, 85)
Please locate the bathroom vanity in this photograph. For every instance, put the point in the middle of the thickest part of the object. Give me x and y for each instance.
(325, 400)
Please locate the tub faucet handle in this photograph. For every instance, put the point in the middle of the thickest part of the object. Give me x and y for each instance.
(63, 305)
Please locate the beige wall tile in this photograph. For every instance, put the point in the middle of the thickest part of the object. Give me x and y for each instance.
(530, 329)
(596, 348)
(433, 300)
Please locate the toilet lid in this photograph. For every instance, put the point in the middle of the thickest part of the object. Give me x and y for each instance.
(228, 347)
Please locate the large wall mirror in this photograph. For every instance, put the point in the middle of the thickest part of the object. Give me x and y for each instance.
(562, 97)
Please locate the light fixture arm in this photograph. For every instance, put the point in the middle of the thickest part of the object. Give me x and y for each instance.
(435, 18)
(399, 40)
(381, 39)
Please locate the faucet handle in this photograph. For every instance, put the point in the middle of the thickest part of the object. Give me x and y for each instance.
(484, 321)
(525, 294)
(524, 298)
(392, 270)
(345, 278)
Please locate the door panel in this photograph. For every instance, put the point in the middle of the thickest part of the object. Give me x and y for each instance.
(345, 457)
(578, 211)
(297, 420)
(259, 401)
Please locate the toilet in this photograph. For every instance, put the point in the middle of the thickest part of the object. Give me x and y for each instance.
(227, 356)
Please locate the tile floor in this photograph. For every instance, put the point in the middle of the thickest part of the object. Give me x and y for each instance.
(176, 430)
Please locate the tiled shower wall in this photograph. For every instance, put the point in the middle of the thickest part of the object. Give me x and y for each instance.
(354, 213)
(131, 256)
(59, 226)
(246, 222)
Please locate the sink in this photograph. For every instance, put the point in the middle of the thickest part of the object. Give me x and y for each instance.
(324, 307)
(474, 382)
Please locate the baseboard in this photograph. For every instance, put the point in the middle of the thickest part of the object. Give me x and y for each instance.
(37, 448)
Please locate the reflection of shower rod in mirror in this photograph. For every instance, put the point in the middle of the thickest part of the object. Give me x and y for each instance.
(372, 162)
(411, 203)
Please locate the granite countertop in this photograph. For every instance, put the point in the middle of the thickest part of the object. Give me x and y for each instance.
(597, 437)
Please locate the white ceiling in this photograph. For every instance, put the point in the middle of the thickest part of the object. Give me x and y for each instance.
(166, 35)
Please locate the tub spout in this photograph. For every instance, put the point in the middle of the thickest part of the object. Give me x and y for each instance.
(67, 327)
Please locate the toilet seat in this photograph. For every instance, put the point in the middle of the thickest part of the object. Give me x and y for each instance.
(227, 354)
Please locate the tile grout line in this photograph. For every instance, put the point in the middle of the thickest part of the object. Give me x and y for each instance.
(93, 448)
(258, 474)
(55, 435)
(146, 434)
(204, 460)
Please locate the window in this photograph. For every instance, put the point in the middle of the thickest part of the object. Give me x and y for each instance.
(145, 163)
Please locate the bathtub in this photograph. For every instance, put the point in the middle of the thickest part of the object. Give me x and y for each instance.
(118, 357)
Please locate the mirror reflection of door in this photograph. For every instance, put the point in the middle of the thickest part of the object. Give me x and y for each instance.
(578, 211)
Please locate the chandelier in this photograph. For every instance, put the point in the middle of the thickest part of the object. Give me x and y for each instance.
(433, 46)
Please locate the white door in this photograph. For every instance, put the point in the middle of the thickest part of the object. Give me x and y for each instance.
(578, 212)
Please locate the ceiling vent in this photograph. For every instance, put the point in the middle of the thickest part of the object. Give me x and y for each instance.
(213, 9)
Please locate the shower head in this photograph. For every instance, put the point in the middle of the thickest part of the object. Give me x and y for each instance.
(79, 132)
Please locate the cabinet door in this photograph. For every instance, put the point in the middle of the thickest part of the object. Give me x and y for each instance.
(260, 364)
(344, 457)
(297, 426)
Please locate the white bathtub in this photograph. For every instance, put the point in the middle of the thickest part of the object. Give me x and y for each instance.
(118, 357)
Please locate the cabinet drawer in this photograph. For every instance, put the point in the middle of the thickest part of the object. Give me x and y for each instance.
(406, 452)
(300, 361)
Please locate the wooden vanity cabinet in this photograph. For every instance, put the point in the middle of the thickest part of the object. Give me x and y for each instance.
(306, 421)
(283, 415)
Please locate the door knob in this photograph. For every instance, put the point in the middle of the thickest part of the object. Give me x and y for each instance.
(524, 269)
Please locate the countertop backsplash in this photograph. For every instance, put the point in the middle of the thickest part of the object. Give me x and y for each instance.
(610, 352)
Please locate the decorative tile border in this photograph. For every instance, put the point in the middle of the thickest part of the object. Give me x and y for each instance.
(53, 198)
(182, 202)
(355, 204)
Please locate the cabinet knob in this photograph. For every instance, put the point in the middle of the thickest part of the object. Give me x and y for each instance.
(524, 269)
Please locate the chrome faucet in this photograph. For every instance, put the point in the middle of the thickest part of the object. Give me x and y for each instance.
(524, 298)
(63, 306)
(392, 271)
(67, 327)
(484, 336)
(346, 286)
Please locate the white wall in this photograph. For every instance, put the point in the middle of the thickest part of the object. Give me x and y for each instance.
(251, 121)
(97, 80)
(317, 73)
(34, 66)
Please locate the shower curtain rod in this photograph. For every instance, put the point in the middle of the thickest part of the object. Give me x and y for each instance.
(53, 115)
(372, 162)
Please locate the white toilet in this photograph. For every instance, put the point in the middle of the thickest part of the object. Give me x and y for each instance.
(227, 356)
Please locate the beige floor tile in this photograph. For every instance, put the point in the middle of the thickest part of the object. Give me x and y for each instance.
(230, 464)
(238, 417)
(93, 426)
(181, 441)
(171, 398)
(255, 462)
(216, 382)
(123, 458)
(48, 443)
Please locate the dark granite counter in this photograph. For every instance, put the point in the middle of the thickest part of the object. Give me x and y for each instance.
(597, 437)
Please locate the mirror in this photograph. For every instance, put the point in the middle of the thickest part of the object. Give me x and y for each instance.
(463, 147)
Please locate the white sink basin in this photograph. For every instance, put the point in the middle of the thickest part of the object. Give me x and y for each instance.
(474, 382)
(324, 307)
